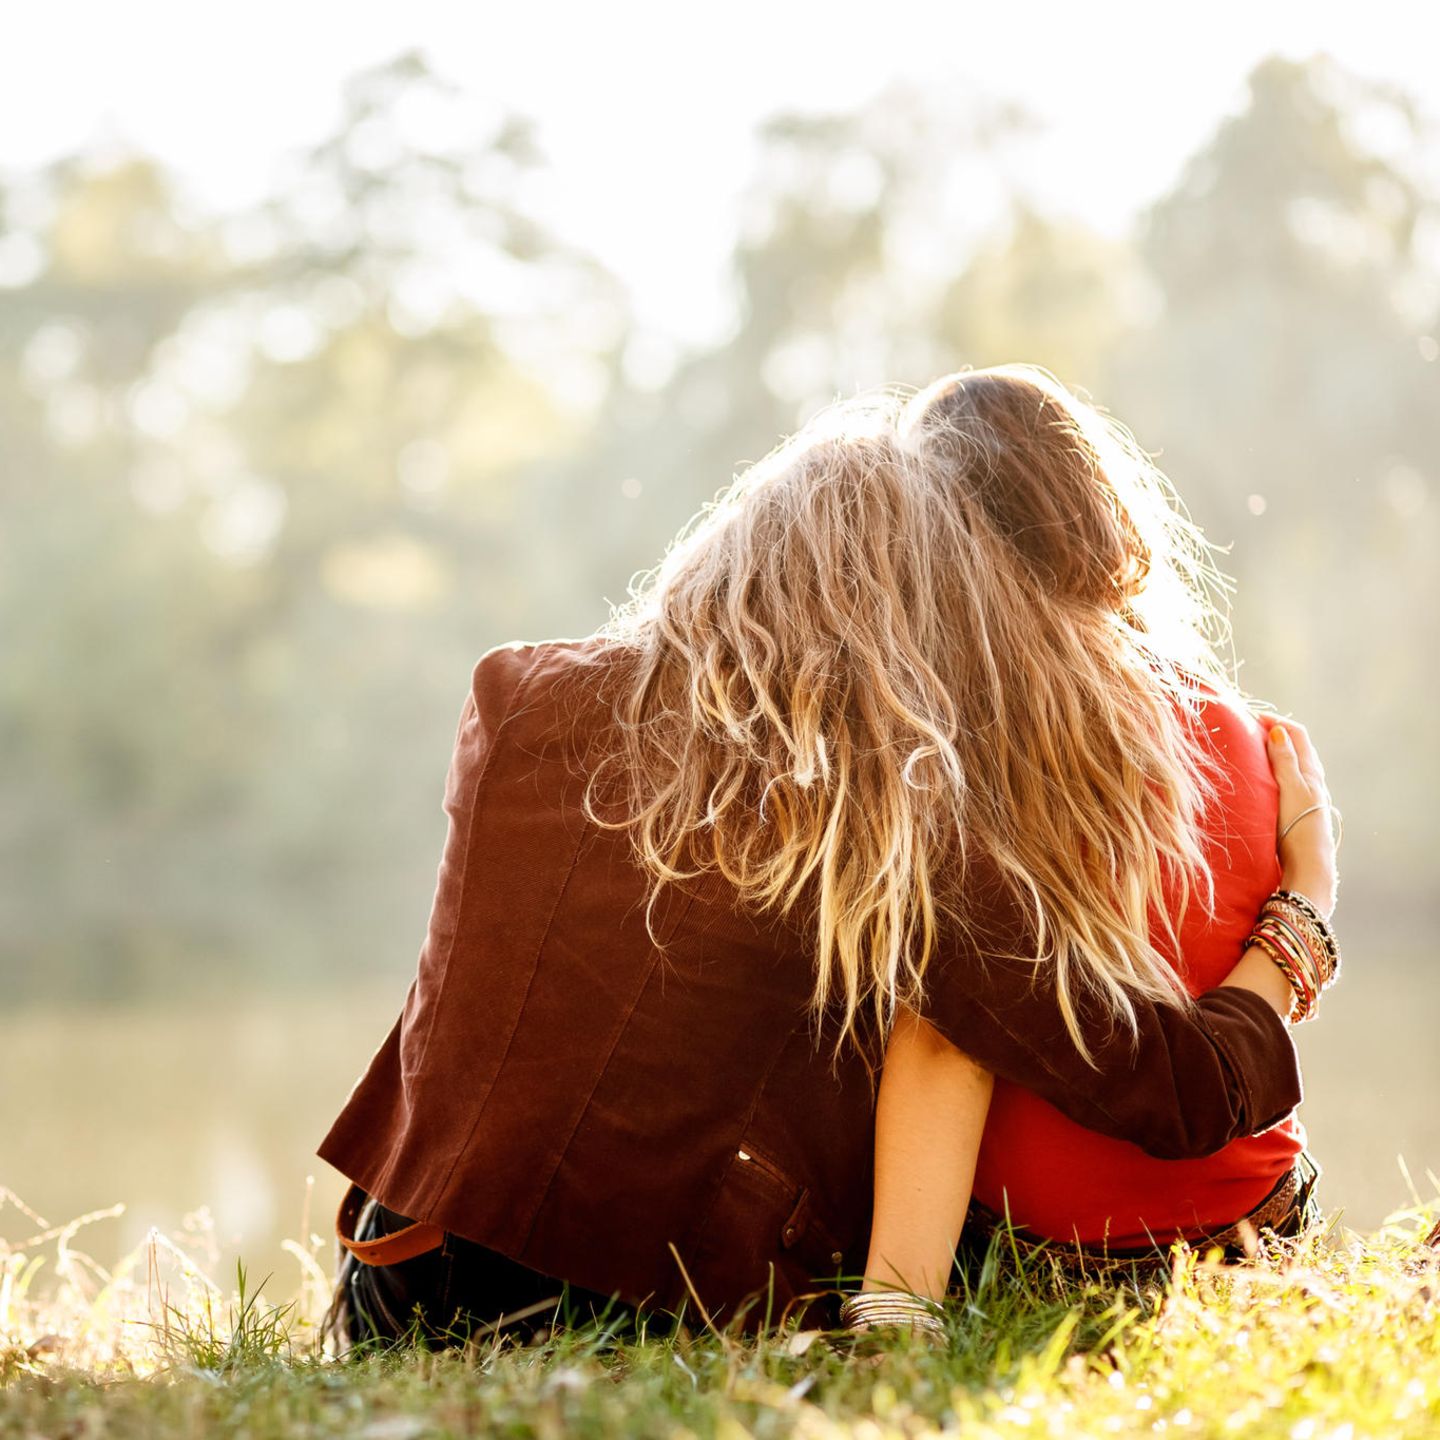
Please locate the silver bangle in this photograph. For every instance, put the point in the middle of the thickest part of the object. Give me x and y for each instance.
(1322, 805)
(874, 1309)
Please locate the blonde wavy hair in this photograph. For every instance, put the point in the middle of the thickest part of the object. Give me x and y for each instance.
(965, 621)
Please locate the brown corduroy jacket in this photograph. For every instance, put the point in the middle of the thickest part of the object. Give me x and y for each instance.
(561, 1090)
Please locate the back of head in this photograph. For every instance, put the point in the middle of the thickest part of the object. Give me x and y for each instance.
(1075, 501)
(929, 629)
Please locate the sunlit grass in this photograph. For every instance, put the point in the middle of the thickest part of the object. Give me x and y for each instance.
(1334, 1334)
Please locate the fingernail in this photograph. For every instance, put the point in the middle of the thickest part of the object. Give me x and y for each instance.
(1277, 734)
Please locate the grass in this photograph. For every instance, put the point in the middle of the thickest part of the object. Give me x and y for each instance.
(1333, 1335)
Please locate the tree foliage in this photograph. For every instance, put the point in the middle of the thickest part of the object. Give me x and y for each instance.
(272, 481)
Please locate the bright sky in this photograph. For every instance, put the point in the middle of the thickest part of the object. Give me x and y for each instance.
(646, 110)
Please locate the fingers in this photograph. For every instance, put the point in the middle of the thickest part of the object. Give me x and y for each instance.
(1293, 756)
(1306, 847)
(1310, 765)
(1285, 762)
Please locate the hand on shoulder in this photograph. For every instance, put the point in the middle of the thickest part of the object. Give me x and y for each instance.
(1306, 833)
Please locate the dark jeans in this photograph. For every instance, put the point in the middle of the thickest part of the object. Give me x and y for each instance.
(452, 1293)
(462, 1289)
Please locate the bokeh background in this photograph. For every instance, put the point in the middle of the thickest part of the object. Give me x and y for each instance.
(335, 349)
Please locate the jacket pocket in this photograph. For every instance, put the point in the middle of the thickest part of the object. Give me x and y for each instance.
(762, 1241)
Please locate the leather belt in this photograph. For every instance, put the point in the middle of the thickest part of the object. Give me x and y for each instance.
(1277, 1207)
(1284, 1207)
(419, 1237)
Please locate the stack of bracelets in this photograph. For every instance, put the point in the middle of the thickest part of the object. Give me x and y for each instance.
(1298, 938)
(878, 1309)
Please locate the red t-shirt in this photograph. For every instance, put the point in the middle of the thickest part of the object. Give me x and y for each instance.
(1072, 1184)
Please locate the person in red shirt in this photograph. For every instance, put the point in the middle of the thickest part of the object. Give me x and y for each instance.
(1058, 1179)
(955, 1144)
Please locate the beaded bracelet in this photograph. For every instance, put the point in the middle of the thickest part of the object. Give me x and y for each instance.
(1297, 937)
(1312, 928)
(1283, 930)
(1301, 939)
(1321, 925)
(1279, 942)
(1302, 999)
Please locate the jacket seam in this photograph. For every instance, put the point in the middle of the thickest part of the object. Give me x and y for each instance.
(437, 1191)
(467, 847)
(460, 1150)
(1246, 1118)
(601, 1070)
(1252, 1118)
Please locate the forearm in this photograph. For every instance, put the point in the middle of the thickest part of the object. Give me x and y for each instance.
(1256, 970)
(929, 1117)
(1259, 973)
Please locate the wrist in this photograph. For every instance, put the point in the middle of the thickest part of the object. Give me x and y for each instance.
(1298, 938)
(870, 1310)
(1256, 972)
(1316, 886)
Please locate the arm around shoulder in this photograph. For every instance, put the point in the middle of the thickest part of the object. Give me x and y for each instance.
(1186, 1081)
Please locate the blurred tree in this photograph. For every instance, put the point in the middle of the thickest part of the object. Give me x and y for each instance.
(272, 481)
(1050, 291)
(260, 489)
(1290, 380)
(108, 698)
(850, 230)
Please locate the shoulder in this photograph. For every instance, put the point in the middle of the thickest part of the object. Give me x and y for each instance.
(535, 669)
(1231, 730)
(538, 686)
(1244, 792)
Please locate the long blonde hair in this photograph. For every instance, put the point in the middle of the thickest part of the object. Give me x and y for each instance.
(968, 621)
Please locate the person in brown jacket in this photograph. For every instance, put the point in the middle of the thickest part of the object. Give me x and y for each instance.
(698, 861)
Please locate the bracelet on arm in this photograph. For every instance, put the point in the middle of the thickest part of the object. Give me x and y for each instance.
(1320, 925)
(1297, 937)
(880, 1309)
(1323, 805)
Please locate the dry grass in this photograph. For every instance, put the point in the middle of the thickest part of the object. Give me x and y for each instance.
(1335, 1335)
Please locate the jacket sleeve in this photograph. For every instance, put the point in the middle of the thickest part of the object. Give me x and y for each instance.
(1185, 1083)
